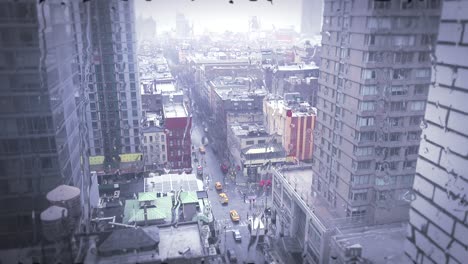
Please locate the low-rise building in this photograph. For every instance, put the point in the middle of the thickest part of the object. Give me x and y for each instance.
(244, 136)
(294, 121)
(177, 124)
(154, 141)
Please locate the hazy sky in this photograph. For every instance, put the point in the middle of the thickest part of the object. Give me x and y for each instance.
(219, 15)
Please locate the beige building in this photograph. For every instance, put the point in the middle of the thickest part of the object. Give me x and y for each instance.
(294, 122)
(154, 143)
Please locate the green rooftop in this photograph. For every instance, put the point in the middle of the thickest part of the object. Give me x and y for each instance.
(188, 197)
(146, 196)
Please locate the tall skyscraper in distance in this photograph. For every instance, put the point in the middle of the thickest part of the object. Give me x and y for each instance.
(183, 29)
(438, 230)
(311, 18)
(374, 78)
(40, 144)
(114, 96)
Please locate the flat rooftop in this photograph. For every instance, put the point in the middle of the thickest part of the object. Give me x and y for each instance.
(298, 67)
(165, 87)
(175, 110)
(173, 240)
(299, 181)
(249, 130)
(380, 244)
(168, 182)
(298, 109)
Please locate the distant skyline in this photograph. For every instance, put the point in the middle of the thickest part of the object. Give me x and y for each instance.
(220, 15)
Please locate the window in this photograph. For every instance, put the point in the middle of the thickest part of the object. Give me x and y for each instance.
(403, 57)
(397, 106)
(379, 22)
(406, 179)
(385, 180)
(423, 56)
(368, 90)
(415, 120)
(420, 89)
(363, 151)
(427, 39)
(364, 165)
(414, 135)
(406, 22)
(365, 121)
(403, 40)
(395, 121)
(366, 106)
(407, 4)
(365, 136)
(394, 151)
(359, 179)
(410, 164)
(398, 90)
(249, 142)
(401, 74)
(372, 57)
(422, 73)
(412, 150)
(381, 4)
(395, 136)
(368, 74)
(384, 195)
(418, 105)
(360, 195)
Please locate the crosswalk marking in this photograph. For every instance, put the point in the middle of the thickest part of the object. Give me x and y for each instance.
(229, 224)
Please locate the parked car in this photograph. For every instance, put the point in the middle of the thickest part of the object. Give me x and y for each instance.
(231, 254)
(223, 198)
(218, 186)
(234, 215)
(236, 234)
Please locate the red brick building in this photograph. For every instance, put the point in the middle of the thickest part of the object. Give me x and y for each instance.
(177, 124)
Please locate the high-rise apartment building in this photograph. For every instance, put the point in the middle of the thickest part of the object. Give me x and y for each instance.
(311, 19)
(374, 79)
(114, 96)
(40, 144)
(438, 230)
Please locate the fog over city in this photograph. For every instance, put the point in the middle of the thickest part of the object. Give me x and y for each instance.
(220, 15)
(234, 131)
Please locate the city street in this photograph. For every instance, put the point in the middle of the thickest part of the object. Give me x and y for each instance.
(212, 172)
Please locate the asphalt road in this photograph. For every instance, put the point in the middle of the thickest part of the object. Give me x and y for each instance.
(211, 165)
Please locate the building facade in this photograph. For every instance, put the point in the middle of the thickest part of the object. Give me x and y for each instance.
(374, 78)
(40, 140)
(438, 230)
(114, 96)
(293, 122)
(178, 125)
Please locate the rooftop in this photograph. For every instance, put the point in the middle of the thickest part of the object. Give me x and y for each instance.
(299, 179)
(296, 108)
(165, 87)
(380, 244)
(249, 130)
(174, 240)
(173, 110)
(298, 67)
(168, 182)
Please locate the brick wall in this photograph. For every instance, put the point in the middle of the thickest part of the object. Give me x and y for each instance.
(438, 231)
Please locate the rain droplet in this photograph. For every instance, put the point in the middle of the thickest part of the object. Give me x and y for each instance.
(426, 150)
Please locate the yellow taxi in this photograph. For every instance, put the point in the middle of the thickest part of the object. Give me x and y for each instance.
(218, 186)
(223, 198)
(202, 149)
(234, 215)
